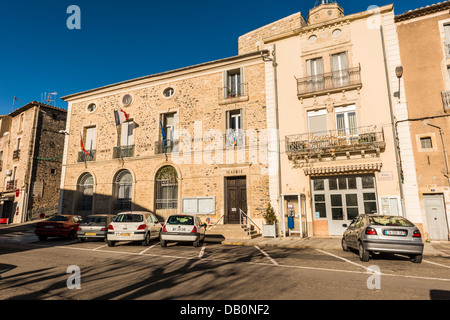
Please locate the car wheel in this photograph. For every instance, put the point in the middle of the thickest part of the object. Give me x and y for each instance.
(146, 241)
(42, 238)
(363, 254)
(80, 240)
(344, 245)
(71, 235)
(197, 243)
(111, 243)
(163, 243)
(417, 258)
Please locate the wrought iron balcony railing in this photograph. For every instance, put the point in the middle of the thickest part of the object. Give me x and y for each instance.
(16, 154)
(336, 141)
(10, 185)
(236, 91)
(329, 82)
(123, 152)
(82, 156)
(169, 147)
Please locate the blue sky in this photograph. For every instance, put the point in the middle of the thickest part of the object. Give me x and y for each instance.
(122, 40)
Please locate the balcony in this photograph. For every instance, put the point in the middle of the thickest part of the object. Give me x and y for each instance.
(322, 84)
(233, 94)
(83, 157)
(10, 185)
(16, 154)
(234, 138)
(334, 142)
(123, 152)
(446, 101)
(171, 146)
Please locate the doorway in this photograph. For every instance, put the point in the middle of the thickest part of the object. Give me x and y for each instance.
(236, 198)
(436, 217)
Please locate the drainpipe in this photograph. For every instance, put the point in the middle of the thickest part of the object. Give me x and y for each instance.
(445, 151)
(394, 131)
(277, 122)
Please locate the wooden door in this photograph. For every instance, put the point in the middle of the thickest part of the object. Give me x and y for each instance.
(236, 194)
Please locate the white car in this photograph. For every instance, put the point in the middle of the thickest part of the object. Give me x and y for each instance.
(134, 226)
(183, 227)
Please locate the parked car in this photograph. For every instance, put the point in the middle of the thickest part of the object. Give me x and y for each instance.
(370, 233)
(134, 226)
(58, 226)
(94, 227)
(184, 227)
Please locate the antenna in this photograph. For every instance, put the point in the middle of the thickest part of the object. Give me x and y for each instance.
(47, 98)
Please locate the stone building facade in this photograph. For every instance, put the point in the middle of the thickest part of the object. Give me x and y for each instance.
(424, 38)
(31, 147)
(213, 160)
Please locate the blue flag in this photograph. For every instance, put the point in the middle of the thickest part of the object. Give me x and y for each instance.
(163, 135)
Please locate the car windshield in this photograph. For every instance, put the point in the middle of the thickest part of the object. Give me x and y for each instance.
(392, 221)
(59, 218)
(95, 220)
(128, 218)
(186, 220)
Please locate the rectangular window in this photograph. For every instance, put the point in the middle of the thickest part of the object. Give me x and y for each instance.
(127, 133)
(346, 120)
(233, 84)
(317, 121)
(314, 70)
(426, 143)
(234, 133)
(90, 134)
(339, 69)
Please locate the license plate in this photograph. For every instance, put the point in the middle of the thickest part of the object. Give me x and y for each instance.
(49, 227)
(91, 234)
(394, 233)
(179, 229)
(124, 234)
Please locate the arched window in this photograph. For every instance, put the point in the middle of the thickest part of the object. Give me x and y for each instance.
(166, 188)
(123, 187)
(85, 191)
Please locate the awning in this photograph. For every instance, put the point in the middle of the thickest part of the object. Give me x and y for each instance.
(349, 169)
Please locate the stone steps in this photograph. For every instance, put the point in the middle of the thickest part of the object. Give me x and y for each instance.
(231, 231)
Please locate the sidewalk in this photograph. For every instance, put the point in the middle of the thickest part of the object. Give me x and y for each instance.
(433, 248)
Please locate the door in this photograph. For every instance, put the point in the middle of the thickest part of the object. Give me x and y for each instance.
(436, 217)
(236, 198)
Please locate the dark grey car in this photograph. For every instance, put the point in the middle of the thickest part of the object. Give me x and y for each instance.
(370, 233)
(94, 227)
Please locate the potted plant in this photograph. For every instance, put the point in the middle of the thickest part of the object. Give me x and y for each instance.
(270, 227)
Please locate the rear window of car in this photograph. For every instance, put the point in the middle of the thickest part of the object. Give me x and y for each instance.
(128, 218)
(95, 219)
(390, 221)
(59, 218)
(185, 220)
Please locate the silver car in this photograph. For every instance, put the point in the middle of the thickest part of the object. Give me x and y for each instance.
(370, 233)
(94, 227)
(183, 227)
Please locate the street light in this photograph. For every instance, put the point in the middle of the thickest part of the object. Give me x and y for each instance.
(399, 74)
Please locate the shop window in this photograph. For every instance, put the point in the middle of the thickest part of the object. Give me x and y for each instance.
(320, 206)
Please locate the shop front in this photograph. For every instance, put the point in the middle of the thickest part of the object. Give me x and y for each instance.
(337, 200)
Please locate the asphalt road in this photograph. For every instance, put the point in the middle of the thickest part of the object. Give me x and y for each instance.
(34, 270)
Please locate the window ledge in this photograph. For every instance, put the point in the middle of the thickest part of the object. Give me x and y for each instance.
(233, 100)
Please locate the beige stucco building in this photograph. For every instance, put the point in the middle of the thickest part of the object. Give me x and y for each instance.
(424, 38)
(334, 106)
(214, 162)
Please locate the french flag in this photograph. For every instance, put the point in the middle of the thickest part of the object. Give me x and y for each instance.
(120, 116)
